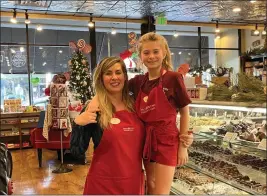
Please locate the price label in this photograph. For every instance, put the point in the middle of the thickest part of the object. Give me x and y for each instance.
(262, 145)
(229, 136)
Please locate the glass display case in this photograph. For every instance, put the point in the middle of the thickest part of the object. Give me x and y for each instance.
(228, 155)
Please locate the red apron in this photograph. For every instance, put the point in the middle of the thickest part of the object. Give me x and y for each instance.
(116, 166)
(159, 115)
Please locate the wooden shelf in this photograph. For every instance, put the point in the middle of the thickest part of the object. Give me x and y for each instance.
(5, 117)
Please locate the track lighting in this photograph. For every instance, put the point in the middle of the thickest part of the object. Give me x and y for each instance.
(256, 32)
(14, 18)
(91, 23)
(27, 21)
(217, 30)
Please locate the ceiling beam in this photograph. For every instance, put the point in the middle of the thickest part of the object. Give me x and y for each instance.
(123, 20)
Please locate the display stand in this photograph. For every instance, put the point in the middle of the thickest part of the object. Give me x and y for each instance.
(62, 168)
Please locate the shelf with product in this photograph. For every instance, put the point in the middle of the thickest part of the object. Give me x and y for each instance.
(255, 65)
(228, 155)
(15, 128)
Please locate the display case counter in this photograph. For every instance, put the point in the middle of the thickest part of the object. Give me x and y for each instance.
(228, 155)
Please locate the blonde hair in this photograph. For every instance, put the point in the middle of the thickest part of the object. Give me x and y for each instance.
(105, 105)
(167, 61)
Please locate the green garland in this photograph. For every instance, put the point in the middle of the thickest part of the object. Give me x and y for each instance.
(249, 89)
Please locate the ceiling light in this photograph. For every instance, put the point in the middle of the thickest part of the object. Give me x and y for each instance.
(21, 49)
(12, 51)
(252, 1)
(217, 30)
(40, 48)
(172, 53)
(39, 28)
(256, 32)
(44, 63)
(189, 53)
(180, 53)
(175, 34)
(14, 19)
(263, 32)
(237, 9)
(90, 23)
(113, 31)
(60, 51)
(218, 36)
(27, 21)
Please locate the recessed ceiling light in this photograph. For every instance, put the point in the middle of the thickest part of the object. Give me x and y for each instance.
(175, 34)
(180, 53)
(236, 9)
(172, 53)
(252, 1)
(44, 63)
(60, 51)
(12, 51)
(21, 49)
(263, 32)
(218, 37)
(41, 48)
(189, 53)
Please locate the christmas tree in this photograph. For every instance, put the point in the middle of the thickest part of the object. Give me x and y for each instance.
(80, 82)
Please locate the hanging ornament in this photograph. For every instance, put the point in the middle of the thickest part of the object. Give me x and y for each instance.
(132, 35)
(83, 62)
(81, 44)
(69, 63)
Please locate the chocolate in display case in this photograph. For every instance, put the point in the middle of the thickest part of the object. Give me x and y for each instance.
(228, 155)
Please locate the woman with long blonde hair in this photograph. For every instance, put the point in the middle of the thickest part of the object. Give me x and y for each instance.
(159, 95)
(116, 166)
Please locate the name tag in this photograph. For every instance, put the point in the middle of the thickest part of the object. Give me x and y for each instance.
(115, 121)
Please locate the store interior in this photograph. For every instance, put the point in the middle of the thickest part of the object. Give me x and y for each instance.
(223, 42)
